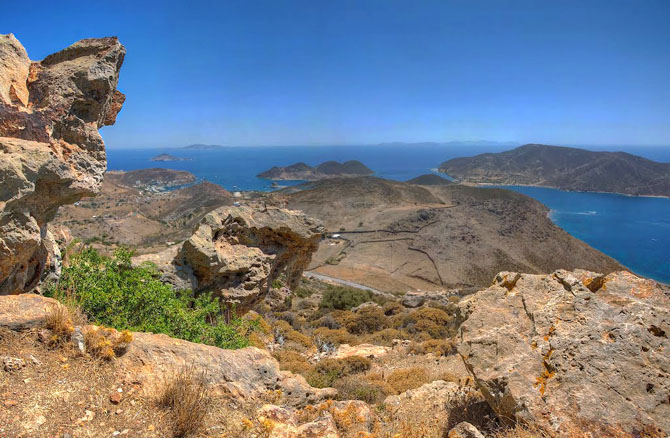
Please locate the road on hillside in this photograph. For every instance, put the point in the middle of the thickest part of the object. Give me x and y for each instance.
(346, 283)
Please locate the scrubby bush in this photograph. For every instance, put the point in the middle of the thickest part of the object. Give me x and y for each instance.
(405, 379)
(326, 372)
(425, 323)
(113, 293)
(438, 347)
(391, 308)
(369, 391)
(334, 337)
(292, 361)
(286, 335)
(366, 320)
(385, 337)
(344, 298)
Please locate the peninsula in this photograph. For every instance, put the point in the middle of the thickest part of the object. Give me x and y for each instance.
(566, 169)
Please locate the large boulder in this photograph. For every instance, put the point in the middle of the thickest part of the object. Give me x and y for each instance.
(50, 150)
(572, 350)
(237, 253)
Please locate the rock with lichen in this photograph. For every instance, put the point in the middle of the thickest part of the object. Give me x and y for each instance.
(572, 350)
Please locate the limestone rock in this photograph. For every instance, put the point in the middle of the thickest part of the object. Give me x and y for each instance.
(237, 252)
(465, 430)
(50, 150)
(572, 349)
(285, 425)
(364, 350)
(11, 364)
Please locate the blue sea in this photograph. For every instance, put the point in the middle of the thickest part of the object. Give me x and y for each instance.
(633, 230)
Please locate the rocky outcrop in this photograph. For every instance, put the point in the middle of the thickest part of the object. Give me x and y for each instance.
(237, 253)
(50, 150)
(248, 373)
(572, 350)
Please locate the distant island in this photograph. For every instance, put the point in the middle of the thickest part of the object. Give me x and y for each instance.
(566, 169)
(168, 157)
(203, 147)
(429, 179)
(328, 169)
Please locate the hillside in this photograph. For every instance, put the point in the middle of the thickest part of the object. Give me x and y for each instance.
(397, 236)
(155, 177)
(564, 168)
(328, 169)
(145, 219)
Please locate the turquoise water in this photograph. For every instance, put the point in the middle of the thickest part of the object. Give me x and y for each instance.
(633, 230)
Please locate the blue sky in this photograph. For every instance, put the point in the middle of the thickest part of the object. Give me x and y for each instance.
(367, 71)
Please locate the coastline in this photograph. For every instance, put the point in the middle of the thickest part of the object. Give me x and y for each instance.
(484, 184)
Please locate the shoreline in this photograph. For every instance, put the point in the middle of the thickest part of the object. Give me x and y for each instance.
(476, 184)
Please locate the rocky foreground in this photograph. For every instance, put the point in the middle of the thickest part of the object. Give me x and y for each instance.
(571, 353)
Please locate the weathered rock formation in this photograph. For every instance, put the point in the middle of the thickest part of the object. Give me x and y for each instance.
(572, 350)
(237, 253)
(50, 150)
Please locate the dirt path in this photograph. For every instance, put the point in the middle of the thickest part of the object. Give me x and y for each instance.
(347, 283)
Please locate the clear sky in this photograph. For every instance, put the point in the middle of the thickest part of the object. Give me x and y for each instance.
(271, 72)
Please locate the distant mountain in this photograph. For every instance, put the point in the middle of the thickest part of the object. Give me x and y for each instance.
(564, 168)
(203, 147)
(328, 169)
(452, 143)
(168, 157)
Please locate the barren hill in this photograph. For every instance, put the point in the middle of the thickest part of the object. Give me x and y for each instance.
(145, 219)
(565, 168)
(397, 236)
(328, 169)
(150, 177)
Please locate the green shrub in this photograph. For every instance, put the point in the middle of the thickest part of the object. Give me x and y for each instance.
(369, 391)
(367, 320)
(344, 298)
(113, 293)
(327, 371)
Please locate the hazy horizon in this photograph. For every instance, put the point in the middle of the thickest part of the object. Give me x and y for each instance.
(306, 72)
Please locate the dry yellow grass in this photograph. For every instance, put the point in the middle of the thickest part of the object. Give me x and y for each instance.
(59, 321)
(186, 395)
(106, 343)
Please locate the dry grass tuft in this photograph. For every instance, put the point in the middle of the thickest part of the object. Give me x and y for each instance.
(106, 343)
(59, 321)
(186, 395)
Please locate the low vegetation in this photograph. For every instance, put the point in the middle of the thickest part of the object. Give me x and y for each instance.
(186, 395)
(113, 293)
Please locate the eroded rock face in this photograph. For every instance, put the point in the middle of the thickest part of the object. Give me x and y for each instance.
(237, 252)
(572, 350)
(50, 150)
